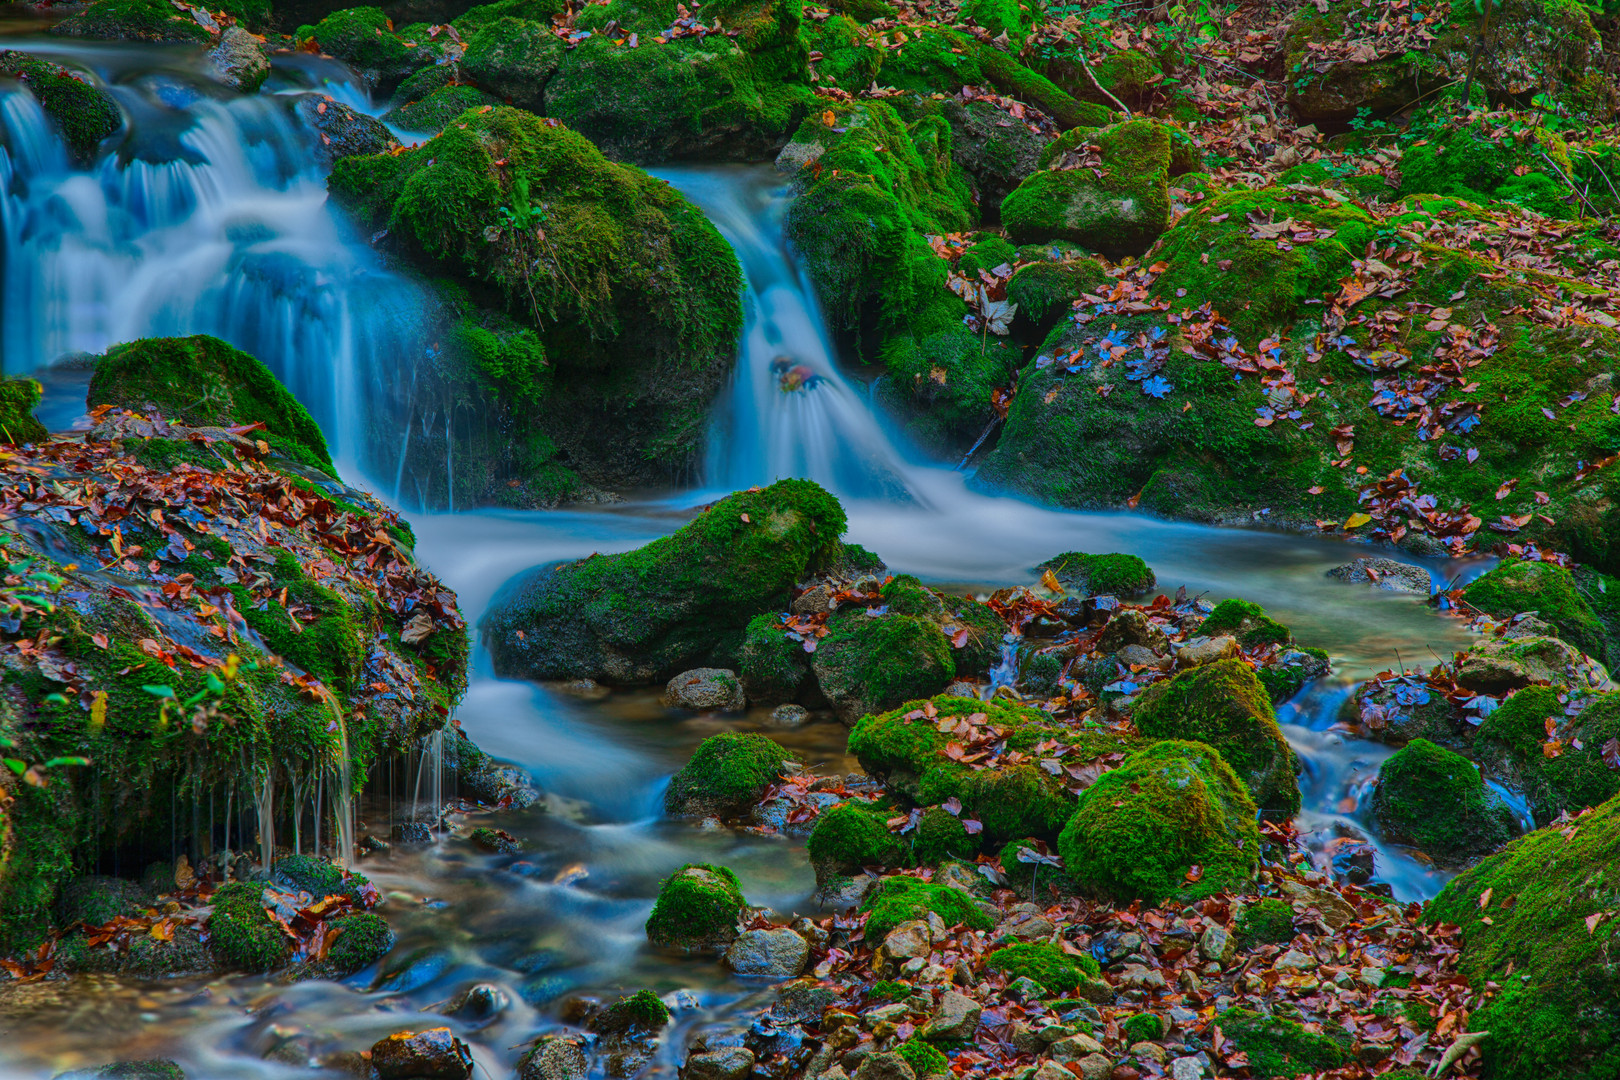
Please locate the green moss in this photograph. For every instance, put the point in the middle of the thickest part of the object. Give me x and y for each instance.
(362, 940)
(95, 900)
(1552, 988)
(241, 932)
(1546, 589)
(939, 837)
(772, 666)
(906, 749)
(133, 20)
(1139, 830)
(852, 835)
(84, 113)
(866, 664)
(438, 108)
(1120, 212)
(203, 382)
(152, 1069)
(1143, 1027)
(1266, 921)
(678, 601)
(307, 873)
(848, 58)
(727, 774)
(1578, 777)
(1248, 622)
(934, 61)
(1045, 290)
(1041, 674)
(924, 1059)
(888, 990)
(514, 59)
(17, 400)
(1278, 1047)
(1225, 705)
(1471, 163)
(1437, 801)
(896, 900)
(1096, 575)
(1056, 970)
(642, 1011)
(697, 907)
(364, 38)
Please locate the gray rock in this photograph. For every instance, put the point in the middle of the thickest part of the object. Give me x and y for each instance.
(1075, 1047)
(796, 155)
(341, 132)
(1141, 977)
(730, 1063)
(813, 601)
(1206, 650)
(435, 1054)
(908, 940)
(1386, 574)
(705, 690)
(1294, 960)
(1049, 1070)
(776, 952)
(956, 1019)
(1215, 944)
(239, 61)
(1131, 627)
(1186, 1068)
(555, 1057)
(1137, 655)
(789, 716)
(1096, 1067)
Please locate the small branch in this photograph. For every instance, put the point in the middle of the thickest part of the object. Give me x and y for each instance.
(1100, 88)
(1560, 172)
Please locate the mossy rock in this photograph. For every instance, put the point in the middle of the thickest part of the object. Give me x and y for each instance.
(1437, 801)
(241, 932)
(642, 1011)
(1267, 921)
(850, 836)
(438, 108)
(133, 20)
(867, 664)
(365, 39)
(150, 1069)
(1546, 937)
(773, 667)
(1057, 971)
(166, 374)
(1246, 621)
(1139, 830)
(901, 899)
(1225, 705)
(924, 1060)
(95, 900)
(362, 939)
(697, 908)
(726, 776)
(1046, 290)
(850, 58)
(1477, 163)
(1097, 575)
(83, 112)
(17, 400)
(936, 60)
(906, 748)
(1548, 591)
(1578, 777)
(624, 301)
(998, 155)
(514, 59)
(647, 614)
(1120, 212)
(940, 837)
(1281, 1048)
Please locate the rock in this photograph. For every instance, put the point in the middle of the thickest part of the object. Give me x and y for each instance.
(1546, 590)
(1075, 1047)
(813, 601)
(239, 61)
(555, 1057)
(1437, 801)
(866, 665)
(995, 149)
(726, 776)
(341, 132)
(789, 716)
(1224, 705)
(411, 832)
(1386, 574)
(1337, 912)
(1149, 1051)
(514, 59)
(1132, 627)
(907, 940)
(1195, 652)
(1026, 989)
(705, 690)
(1096, 1067)
(1119, 212)
(496, 841)
(477, 1004)
(1092, 575)
(1294, 960)
(1215, 944)
(1510, 745)
(85, 115)
(134, 20)
(730, 1063)
(884, 1066)
(697, 908)
(1138, 656)
(1186, 1068)
(434, 1054)
(956, 1019)
(1049, 1070)
(1141, 977)
(1499, 666)
(778, 952)
(1257, 1033)
(431, 113)
(149, 1069)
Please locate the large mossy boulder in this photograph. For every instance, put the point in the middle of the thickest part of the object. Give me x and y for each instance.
(367, 40)
(1140, 830)
(17, 400)
(1278, 1047)
(697, 909)
(84, 113)
(677, 603)
(1098, 575)
(514, 59)
(920, 750)
(1111, 193)
(241, 932)
(901, 899)
(867, 664)
(726, 776)
(997, 150)
(1225, 705)
(201, 381)
(1540, 939)
(1545, 590)
(134, 20)
(1481, 164)
(1437, 801)
(1565, 772)
(850, 836)
(618, 303)
(934, 60)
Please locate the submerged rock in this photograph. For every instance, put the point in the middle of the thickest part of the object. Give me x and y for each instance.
(341, 132)
(434, 1054)
(705, 690)
(1386, 574)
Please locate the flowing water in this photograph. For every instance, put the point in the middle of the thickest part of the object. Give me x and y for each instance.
(209, 216)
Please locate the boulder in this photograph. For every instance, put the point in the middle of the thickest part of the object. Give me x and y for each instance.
(705, 690)
(849, 836)
(17, 400)
(1093, 575)
(1279, 1047)
(728, 1063)
(514, 59)
(440, 106)
(239, 61)
(137, 20)
(434, 1054)
(1109, 193)
(341, 132)
(1437, 801)
(956, 1019)
(726, 776)
(84, 113)
(1386, 574)
(1499, 666)
(366, 40)
(995, 148)
(1132, 628)
(777, 953)
(697, 909)
(554, 1057)
(868, 664)
(1546, 590)
(1514, 745)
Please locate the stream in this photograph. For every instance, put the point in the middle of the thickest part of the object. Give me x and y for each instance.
(211, 218)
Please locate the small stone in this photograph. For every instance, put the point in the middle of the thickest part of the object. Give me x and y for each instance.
(1206, 650)
(1336, 911)
(1140, 977)
(908, 940)
(1075, 1047)
(1137, 656)
(777, 952)
(435, 1054)
(956, 1019)
(1096, 1067)
(1215, 945)
(1095, 991)
(1024, 1040)
(705, 690)
(1132, 627)
(893, 1012)
(411, 832)
(1026, 988)
(1026, 928)
(789, 716)
(1190, 982)
(884, 1067)
(730, 1063)
(555, 1057)
(962, 688)
(813, 601)
(1149, 1051)
(1048, 1070)
(1186, 1068)
(239, 61)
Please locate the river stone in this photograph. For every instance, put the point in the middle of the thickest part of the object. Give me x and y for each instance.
(1096, 1067)
(340, 131)
(1386, 574)
(705, 690)
(1132, 627)
(555, 1057)
(789, 716)
(730, 1063)
(1336, 911)
(1050, 1070)
(775, 952)
(813, 601)
(909, 939)
(434, 1054)
(1215, 945)
(239, 61)
(1206, 650)
(1294, 960)
(1075, 1047)
(956, 1019)
(1186, 1068)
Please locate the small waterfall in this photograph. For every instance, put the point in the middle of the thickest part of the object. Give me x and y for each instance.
(264, 799)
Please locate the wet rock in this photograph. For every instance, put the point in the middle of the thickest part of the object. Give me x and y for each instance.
(150, 1069)
(729, 1063)
(813, 601)
(1386, 574)
(789, 716)
(697, 908)
(555, 1057)
(1141, 977)
(1206, 650)
(1437, 801)
(589, 689)
(1502, 665)
(435, 1054)
(477, 1005)
(411, 832)
(239, 61)
(726, 776)
(1138, 656)
(802, 1000)
(1336, 911)
(1131, 627)
(777, 952)
(705, 690)
(884, 1067)
(340, 131)
(995, 149)
(496, 841)
(956, 1019)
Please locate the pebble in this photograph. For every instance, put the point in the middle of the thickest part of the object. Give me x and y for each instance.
(1186, 1068)
(1294, 960)
(1138, 977)
(956, 1020)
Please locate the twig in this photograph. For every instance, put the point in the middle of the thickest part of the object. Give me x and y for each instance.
(1473, 56)
(1601, 172)
(1100, 88)
(1554, 167)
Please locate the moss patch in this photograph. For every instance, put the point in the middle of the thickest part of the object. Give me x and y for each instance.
(727, 775)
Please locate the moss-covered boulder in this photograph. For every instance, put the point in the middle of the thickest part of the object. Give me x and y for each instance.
(997, 150)
(940, 837)
(1247, 622)
(1564, 772)
(867, 664)
(726, 776)
(1480, 163)
(366, 39)
(514, 59)
(683, 599)
(1111, 195)
(1546, 590)
(1172, 821)
(934, 60)
(601, 311)
(83, 112)
(1097, 575)
(1437, 801)
(642, 1012)
(1267, 921)
(1282, 1048)
(1539, 939)
(921, 752)
(850, 836)
(441, 105)
(202, 381)
(134, 20)
(901, 899)
(697, 908)
(241, 932)
(773, 667)
(1225, 705)
(360, 940)
(1059, 973)
(17, 400)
